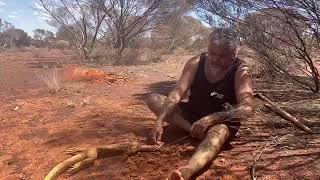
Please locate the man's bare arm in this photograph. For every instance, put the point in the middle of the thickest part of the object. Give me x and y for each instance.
(244, 109)
(180, 90)
(244, 94)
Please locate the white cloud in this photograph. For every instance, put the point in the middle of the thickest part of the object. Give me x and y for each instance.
(12, 16)
(43, 18)
(2, 3)
(35, 13)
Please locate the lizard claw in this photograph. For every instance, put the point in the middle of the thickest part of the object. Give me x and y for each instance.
(75, 168)
(81, 165)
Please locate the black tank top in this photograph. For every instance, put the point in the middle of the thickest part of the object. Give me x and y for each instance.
(205, 97)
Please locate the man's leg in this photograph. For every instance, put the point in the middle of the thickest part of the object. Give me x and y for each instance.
(155, 103)
(205, 153)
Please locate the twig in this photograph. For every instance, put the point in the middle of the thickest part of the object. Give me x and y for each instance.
(283, 113)
(162, 145)
(257, 158)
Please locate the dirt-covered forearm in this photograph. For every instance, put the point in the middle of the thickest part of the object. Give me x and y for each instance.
(240, 112)
(169, 106)
(243, 110)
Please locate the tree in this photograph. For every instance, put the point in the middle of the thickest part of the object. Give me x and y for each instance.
(4, 25)
(128, 19)
(39, 34)
(112, 23)
(180, 31)
(284, 34)
(16, 37)
(43, 36)
(81, 18)
(4, 39)
(64, 34)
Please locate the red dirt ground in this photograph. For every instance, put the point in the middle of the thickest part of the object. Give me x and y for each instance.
(36, 134)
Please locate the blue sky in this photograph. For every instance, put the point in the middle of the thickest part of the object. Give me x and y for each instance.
(23, 14)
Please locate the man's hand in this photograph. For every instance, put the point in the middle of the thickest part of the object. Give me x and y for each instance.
(199, 128)
(157, 132)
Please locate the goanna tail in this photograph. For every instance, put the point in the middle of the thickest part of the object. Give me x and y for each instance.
(60, 168)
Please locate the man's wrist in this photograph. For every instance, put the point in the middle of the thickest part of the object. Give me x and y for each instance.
(160, 120)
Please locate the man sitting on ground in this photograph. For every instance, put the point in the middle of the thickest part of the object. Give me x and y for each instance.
(220, 98)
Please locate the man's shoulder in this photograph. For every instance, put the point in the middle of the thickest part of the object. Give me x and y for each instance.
(193, 62)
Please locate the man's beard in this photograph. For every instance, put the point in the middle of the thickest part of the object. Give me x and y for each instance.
(221, 65)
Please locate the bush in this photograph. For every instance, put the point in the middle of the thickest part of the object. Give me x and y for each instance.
(61, 44)
(131, 57)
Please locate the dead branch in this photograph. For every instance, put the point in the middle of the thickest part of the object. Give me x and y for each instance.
(283, 113)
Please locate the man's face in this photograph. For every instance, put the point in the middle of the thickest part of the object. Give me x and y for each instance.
(220, 54)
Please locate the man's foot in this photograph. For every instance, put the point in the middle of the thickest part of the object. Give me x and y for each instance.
(183, 173)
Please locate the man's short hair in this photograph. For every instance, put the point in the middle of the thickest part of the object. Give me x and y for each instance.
(224, 36)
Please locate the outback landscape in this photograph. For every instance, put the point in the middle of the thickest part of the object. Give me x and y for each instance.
(37, 127)
(84, 86)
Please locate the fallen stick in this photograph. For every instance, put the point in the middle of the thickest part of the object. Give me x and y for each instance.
(283, 113)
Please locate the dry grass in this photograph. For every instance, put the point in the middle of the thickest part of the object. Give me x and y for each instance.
(51, 78)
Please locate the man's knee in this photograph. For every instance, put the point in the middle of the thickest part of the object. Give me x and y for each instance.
(154, 98)
(155, 102)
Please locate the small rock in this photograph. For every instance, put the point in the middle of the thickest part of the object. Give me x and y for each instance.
(96, 115)
(133, 175)
(16, 108)
(150, 160)
(71, 104)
